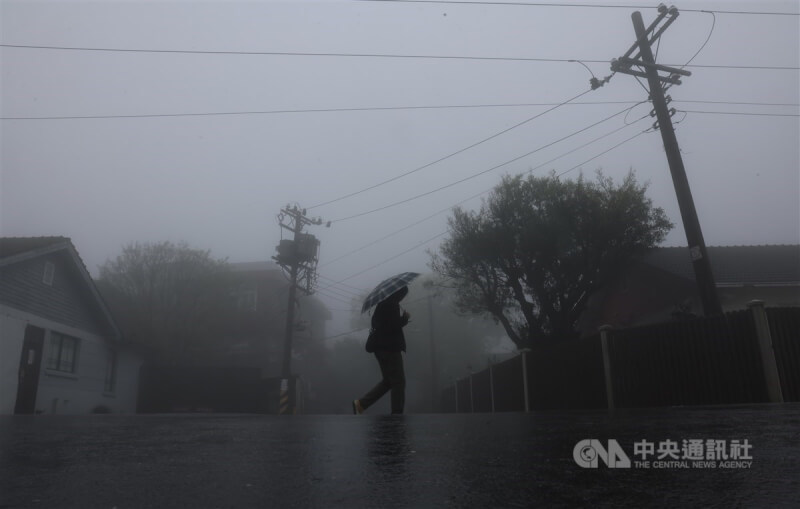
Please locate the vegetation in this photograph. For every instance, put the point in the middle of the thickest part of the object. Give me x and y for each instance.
(531, 257)
(169, 298)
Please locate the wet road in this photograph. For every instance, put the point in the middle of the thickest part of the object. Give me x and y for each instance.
(479, 460)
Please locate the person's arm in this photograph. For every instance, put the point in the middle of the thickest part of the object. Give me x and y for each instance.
(390, 319)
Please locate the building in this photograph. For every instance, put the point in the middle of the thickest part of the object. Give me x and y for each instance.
(61, 351)
(660, 286)
(256, 338)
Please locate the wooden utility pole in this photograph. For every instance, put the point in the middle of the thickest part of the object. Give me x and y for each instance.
(298, 257)
(650, 70)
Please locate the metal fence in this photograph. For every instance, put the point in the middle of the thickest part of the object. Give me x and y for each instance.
(746, 356)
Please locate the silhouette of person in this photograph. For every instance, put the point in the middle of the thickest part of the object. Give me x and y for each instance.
(389, 344)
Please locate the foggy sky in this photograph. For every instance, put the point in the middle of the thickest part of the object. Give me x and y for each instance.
(218, 181)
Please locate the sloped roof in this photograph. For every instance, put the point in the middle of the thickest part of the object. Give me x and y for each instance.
(12, 246)
(17, 249)
(766, 265)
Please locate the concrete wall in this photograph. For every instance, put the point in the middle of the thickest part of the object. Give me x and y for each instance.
(66, 393)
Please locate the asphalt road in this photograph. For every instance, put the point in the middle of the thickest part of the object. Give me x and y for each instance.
(475, 461)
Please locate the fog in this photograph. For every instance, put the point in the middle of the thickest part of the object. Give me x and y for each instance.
(207, 118)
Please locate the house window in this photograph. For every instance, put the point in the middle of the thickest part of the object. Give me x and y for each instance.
(111, 372)
(49, 273)
(63, 355)
(244, 299)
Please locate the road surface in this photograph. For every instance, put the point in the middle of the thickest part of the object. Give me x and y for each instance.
(444, 460)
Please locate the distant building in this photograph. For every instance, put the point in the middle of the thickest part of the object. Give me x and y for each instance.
(255, 338)
(660, 286)
(61, 351)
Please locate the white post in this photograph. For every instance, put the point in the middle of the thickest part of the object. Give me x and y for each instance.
(455, 384)
(491, 383)
(605, 333)
(471, 398)
(524, 353)
(771, 375)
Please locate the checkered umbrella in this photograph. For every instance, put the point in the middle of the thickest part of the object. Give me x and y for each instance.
(386, 288)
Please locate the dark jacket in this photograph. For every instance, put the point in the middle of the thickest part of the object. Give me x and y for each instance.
(388, 324)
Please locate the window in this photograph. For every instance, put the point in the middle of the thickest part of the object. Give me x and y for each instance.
(111, 372)
(49, 273)
(63, 355)
(244, 299)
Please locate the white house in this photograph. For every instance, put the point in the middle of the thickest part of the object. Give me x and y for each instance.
(60, 350)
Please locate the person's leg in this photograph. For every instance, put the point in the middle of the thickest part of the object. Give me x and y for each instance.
(380, 389)
(395, 376)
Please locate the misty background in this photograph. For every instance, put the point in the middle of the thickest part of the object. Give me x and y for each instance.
(196, 122)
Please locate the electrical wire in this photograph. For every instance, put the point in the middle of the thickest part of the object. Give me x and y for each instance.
(295, 54)
(452, 154)
(364, 55)
(710, 32)
(447, 209)
(579, 5)
(310, 110)
(479, 173)
(417, 246)
(375, 108)
(355, 291)
(603, 152)
(742, 113)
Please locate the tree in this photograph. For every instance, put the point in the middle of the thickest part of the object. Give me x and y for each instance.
(167, 297)
(536, 250)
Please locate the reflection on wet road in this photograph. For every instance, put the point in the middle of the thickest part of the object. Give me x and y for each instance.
(479, 460)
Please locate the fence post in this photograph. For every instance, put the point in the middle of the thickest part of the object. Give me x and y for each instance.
(491, 383)
(771, 376)
(605, 334)
(455, 384)
(471, 393)
(524, 353)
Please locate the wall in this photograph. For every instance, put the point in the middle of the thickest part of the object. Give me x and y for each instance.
(60, 393)
(12, 334)
(65, 301)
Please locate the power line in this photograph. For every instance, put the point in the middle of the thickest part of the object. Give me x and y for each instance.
(309, 110)
(603, 152)
(567, 5)
(417, 246)
(742, 113)
(452, 154)
(364, 55)
(361, 248)
(370, 108)
(297, 54)
(370, 244)
(481, 172)
(490, 189)
(347, 288)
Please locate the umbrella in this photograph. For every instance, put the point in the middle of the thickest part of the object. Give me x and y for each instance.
(386, 288)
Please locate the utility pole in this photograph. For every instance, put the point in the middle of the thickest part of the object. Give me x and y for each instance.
(434, 368)
(649, 69)
(298, 258)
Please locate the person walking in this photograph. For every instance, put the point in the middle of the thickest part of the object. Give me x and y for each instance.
(388, 344)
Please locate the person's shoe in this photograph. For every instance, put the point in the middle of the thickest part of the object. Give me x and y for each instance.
(357, 408)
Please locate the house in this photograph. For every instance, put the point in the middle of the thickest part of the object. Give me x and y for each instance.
(60, 350)
(237, 371)
(660, 286)
(257, 337)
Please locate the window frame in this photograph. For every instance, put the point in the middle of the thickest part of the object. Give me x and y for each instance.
(56, 354)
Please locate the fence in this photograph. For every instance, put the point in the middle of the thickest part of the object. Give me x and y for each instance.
(747, 356)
